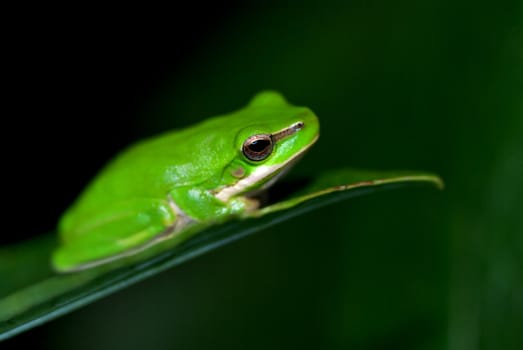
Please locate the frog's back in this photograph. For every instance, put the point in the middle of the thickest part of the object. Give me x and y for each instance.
(153, 167)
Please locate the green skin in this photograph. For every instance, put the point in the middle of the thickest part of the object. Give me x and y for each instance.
(181, 178)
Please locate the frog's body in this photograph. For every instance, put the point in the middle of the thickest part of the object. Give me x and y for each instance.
(204, 173)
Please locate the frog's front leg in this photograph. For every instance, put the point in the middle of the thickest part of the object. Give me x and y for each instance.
(201, 205)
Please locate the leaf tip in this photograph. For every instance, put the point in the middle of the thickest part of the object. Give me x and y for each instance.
(436, 180)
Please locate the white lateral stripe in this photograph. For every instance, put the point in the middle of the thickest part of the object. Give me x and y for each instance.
(261, 172)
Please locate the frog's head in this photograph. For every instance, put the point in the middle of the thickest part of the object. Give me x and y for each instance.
(271, 136)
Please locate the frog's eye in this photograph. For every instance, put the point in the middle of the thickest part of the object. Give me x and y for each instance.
(257, 147)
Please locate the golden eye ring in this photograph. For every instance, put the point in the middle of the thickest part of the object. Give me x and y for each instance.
(258, 147)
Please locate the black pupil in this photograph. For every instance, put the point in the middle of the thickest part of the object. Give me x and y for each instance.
(259, 145)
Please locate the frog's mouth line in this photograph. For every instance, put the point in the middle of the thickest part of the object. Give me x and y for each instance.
(274, 177)
(272, 173)
(273, 188)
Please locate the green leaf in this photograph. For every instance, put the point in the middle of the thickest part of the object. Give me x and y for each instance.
(31, 293)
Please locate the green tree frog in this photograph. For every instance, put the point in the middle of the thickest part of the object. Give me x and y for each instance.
(204, 174)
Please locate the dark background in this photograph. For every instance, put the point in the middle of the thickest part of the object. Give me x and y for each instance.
(432, 85)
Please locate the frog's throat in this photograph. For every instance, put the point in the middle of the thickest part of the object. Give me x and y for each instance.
(273, 172)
